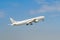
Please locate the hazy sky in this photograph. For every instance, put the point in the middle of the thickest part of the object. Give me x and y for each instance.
(25, 9)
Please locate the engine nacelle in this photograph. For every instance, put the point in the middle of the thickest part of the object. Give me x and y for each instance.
(36, 20)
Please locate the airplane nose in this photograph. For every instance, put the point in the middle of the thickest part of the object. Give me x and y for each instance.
(43, 16)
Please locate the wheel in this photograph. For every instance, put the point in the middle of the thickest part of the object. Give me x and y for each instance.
(27, 24)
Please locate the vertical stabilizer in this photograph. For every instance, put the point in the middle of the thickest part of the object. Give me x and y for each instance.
(12, 21)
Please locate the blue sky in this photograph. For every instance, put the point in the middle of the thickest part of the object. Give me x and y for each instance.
(25, 9)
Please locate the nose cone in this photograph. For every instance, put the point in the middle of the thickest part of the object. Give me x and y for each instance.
(42, 16)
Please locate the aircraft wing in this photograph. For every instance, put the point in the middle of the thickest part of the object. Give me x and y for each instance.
(30, 21)
(35, 20)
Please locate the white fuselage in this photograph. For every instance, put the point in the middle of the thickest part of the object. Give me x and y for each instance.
(29, 21)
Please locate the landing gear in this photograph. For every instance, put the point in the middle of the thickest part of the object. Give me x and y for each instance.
(29, 23)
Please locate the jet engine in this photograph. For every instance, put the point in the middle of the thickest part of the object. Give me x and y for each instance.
(36, 20)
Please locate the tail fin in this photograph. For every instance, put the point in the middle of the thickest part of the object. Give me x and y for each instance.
(12, 21)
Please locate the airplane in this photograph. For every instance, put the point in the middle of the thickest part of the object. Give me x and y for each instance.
(27, 22)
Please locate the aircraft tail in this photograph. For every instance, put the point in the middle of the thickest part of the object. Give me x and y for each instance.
(12, 20)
